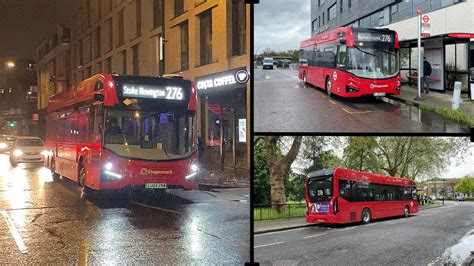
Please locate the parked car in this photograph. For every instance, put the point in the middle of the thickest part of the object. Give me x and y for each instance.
(6, 143)
(28, 150)
(460, 198)
(268, 63)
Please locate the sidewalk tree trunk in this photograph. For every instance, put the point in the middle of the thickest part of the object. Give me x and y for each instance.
(278, 167)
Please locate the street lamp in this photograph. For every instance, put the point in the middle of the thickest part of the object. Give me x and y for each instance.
(10, 64)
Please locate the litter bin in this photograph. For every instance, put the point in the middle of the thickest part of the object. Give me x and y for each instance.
(471, 81)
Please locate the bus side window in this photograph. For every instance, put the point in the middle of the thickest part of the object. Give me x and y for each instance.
(98, 120)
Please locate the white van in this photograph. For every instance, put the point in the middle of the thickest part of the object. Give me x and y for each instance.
(268, 63)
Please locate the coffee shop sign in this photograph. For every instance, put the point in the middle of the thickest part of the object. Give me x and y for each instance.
(226, 79)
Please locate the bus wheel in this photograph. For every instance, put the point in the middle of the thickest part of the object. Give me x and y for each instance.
(328, 86)
(53, 171)
(407, 211)
(305, 81)
(366, 217)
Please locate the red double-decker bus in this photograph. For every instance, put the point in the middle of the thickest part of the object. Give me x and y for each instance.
(339, 196)
(113, 132)
(352, 62)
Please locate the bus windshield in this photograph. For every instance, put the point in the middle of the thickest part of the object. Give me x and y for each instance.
(373, 63)
(150, 135)
(320, 188)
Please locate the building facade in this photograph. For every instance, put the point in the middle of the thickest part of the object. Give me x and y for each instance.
(195, 39)
(449, 52)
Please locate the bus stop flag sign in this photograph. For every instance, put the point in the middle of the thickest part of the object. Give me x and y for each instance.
(425, 26)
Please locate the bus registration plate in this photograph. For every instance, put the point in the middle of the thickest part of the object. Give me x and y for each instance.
(155, 185)
(377, 94)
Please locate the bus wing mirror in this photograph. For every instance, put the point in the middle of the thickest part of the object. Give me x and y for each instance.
(342, 42)
(98, 97)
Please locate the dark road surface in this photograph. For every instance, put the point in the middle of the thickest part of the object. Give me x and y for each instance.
(284, 104)
(44, 222)
(418, 240)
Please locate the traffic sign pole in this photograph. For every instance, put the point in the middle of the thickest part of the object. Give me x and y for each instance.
(420, 69)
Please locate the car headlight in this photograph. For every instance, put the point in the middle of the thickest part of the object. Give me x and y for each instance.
(46, 153)
(17, 152)
(3, 145)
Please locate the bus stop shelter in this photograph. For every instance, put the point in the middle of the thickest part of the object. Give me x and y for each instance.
(450, 56)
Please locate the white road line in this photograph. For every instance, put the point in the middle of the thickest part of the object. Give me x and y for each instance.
(314, 235)
(156, 208)
(283, 231)
(271, 244)
(19, 242)
(348, 228)
(369, 224)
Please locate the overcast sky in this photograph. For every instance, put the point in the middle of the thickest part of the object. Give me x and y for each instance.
(281, 24)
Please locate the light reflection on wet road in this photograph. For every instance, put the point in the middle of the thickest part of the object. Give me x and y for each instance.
(57, 226)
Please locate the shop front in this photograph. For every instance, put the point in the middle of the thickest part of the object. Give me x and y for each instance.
(223, 118)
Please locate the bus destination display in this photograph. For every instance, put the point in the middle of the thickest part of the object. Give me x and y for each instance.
(374, 37)
(153, 92)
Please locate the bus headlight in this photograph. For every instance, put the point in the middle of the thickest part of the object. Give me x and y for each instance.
(17, 152)
(194, 168)
(112, 175)
(108, 166)
(46, 153)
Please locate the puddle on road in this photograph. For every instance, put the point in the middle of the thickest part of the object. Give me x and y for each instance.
(458, 253)
(427, 118)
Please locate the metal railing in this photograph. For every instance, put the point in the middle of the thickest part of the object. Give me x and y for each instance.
(278, 211)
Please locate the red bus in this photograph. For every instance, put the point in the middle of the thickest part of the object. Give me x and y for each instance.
(339, 196)
(352, 62)
(112, 132)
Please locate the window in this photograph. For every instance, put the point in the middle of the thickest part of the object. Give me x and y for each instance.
(98, 68)
(90, 46)
(136, 63)
(79, 53)
(97, 42)
(138, 11)
(184, 46)
(108, 6)
(341, 6)
(88, 72)
(363, 191)
(110, 34)
(206, 38)
(123, 56)
(99, 8)
(350, 3)
(120, 28)
(238, 27)
(322, 22)
(332, 12)
(320, 2)
(108, 65)
(178, 7)
(158, 14)
(313, 25)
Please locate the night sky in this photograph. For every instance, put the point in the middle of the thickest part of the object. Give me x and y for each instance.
(24, 24)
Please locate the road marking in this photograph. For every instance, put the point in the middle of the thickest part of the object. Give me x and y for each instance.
(348, 228)
(84, 251)
(283, 231)
(369, 224)
(156, 208)
(266, 245)
(314, 235)
(19, 242)
(333, 102)
(355, 113)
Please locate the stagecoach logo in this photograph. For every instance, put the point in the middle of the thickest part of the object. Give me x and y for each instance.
(146, 171)
(372, 86)
(334, 75)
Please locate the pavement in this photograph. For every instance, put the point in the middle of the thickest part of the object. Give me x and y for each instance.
(435, 99)
(47, 222)
(266, 226)
(211, 177)
(282, 103)
(424, 238)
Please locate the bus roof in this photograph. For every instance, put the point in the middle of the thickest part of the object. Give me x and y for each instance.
(348, 174)
(342, 33)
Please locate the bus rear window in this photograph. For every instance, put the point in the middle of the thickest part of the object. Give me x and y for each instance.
(320, 188)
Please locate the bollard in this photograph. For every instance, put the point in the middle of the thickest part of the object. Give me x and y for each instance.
(456, 95)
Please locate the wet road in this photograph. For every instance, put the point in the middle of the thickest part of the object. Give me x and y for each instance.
(43, 221)
(284, 104)
(417, 240)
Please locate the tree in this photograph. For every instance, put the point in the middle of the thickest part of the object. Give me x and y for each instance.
(278, 167)
(261, 181)
(360, 154)
(465, 186)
